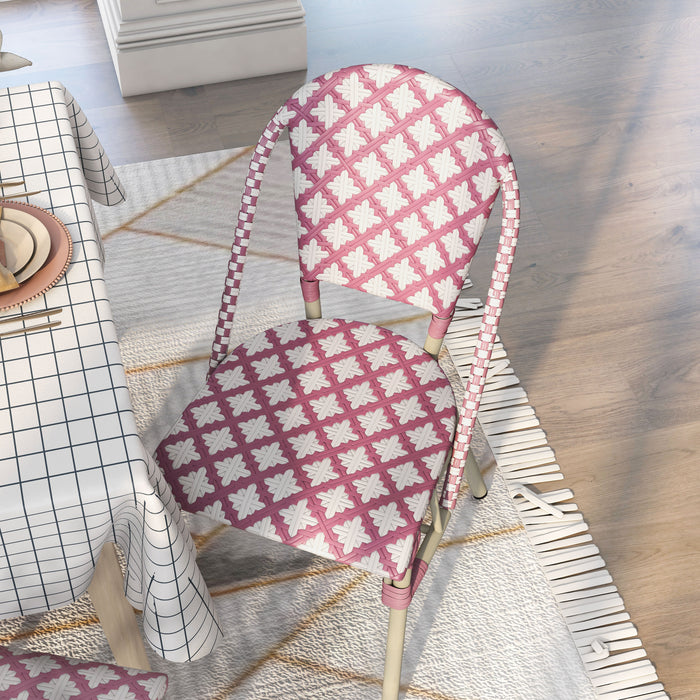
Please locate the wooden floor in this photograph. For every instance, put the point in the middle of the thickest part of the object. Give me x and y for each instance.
(599, 102)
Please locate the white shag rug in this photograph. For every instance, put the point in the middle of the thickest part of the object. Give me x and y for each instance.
(516, 605)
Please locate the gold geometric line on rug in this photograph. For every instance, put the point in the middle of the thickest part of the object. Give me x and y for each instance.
(331, 568)
(180, 190)
(44, 631)
(208, 244)
(309, 619)
(346, 674)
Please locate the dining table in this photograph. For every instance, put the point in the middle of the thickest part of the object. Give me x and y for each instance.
(74, 475)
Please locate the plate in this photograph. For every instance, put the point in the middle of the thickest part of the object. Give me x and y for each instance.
(42, 239)
(18, 244)
(57, 261)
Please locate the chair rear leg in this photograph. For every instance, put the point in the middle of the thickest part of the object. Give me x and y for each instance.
(473, 476)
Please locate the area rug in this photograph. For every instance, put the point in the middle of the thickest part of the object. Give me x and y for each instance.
(517, 603)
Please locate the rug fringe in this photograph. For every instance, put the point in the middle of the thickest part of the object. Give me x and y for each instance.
(607, 641)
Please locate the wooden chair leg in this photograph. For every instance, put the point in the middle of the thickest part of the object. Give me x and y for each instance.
(473, 476)
(396, 634)
(115, 612)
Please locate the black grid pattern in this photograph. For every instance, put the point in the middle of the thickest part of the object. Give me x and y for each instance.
(73, 471)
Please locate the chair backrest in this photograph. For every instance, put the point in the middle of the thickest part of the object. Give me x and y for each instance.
(395, 175)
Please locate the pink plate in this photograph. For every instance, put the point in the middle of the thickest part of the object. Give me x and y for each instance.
(55, 266)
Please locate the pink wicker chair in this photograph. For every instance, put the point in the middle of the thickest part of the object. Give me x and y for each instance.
(331, 435)
(35, 676)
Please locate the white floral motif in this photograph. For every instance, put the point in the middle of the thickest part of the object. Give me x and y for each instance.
(357, 261)
(292, 417)
(231, 469)
(314, 380)
(403, 100)
(333, 274)
(289, 332)
(304, 92)
(394, 382)
(255, 429)
(182, 452)
(7, 677)
(327, 111)
(364, 216)
(37, 665)
(207, 413)
(409, 410)
(418, 504)
(322, 160)
(302, 136)
(499, 145)
(444, 165)
(242, 403)
(347, 368)
(411, 228)
(432, 85)
(351, 534)
(316, 208)
(400, 552)
(475, 227)
(279, 391)
(370, 487)
(301, 355)
(391, 199)
(300, 182)
(397, 150)
(337, 234)
(256, 344)
(320, 472)
(403, 273)
(462, 198)
(282, 485)
(418, 182)
(305, 444)
(366, 334)
(352, 90)
(298, 517)
(389, 448)
(312, 254)
(316, 545)
(423, 436)
(349, 139)
(246, 501)
(343, 187)
(219, 440)
(437, 213)
(470, 147)
(340, 433)
(269, 455)
(454, 114)
(404, 475)
(196, 484)
(384, 245)
(326, 406)
(486, 184)
(378, 286)
(335, 501)
(447, 290)
(60, 688)
(215, 511)
(376, 120)
(431, 258)
(382, 73)
(370, 169)
(231, 379)
(97, 675)
(265, 528)
(334, 344)
(380, 357)
(360, 395)
(354, 460)
(442, 397)
(424, 133)
(374, 422)
(387, 518)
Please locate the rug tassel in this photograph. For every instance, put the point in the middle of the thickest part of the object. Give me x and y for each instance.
(610, 649)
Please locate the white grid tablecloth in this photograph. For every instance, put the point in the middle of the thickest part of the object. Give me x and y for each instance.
(73, 471)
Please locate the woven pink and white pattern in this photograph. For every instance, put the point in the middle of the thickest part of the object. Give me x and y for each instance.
(32, 676)
(327, 435)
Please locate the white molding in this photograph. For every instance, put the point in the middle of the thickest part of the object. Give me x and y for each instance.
(165, 44)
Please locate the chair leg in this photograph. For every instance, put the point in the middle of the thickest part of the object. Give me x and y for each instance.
(473, 476)
(396, 634)
(115, 613)
(394, 654)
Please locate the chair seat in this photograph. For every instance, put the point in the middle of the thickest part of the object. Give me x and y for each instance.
(328, 435)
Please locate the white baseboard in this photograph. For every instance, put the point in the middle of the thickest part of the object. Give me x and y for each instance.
(183, 43)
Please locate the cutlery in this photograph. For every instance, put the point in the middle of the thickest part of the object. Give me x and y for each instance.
(32, 315)
(30, 329)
